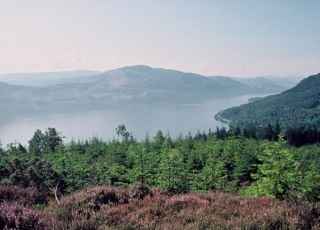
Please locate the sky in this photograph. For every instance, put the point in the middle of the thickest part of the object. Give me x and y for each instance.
(211, 37)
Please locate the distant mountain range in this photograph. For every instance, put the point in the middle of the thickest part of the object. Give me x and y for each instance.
(42, 79)
(127, 85)
(266, 84)
(295, 107)
(46, 78)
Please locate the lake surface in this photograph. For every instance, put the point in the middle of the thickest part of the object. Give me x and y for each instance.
(140, 120)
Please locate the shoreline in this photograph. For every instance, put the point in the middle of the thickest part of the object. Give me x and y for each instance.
(219, 118)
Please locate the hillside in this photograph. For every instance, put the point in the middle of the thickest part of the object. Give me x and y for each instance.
(43, 79)
(294, 107)
(203, 181)
(154, 84)
(127, 85)
(271, 84)
(106, 207)
(14, 99)
(263, 84)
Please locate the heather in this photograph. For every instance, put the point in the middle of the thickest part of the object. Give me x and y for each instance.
(213, 210)
(15, 216)
(25, 196)
(106, 207)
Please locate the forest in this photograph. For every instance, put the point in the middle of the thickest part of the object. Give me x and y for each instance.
(50, 177)
(294, 108)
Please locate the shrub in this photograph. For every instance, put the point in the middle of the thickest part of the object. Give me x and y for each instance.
(82, 208)
(139, 191)
(212, 210)
(23, 196)
(14, 216)
(112, 208)
(96, 197)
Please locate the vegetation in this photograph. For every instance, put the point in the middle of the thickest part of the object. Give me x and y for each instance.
(106, 207)
(299, 106)
(295, 136)
(96, 184)
(233, 160)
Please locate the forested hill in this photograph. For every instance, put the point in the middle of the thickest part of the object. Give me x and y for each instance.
(295, 107)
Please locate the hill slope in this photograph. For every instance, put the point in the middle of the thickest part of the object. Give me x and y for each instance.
(297, 106)
(133, 84)
(43, 79)
(106, 207)
(263, 84)
(150, 84)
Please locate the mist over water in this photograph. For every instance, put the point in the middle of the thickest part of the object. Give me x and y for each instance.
(140, 120)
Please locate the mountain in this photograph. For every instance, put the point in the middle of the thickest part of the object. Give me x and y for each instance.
(43, 79)
(263, 84)
(271, 84)
(287, 82)
(135, 83)
(297, 106)
(146, 82)
(131, 85)
(14, 99)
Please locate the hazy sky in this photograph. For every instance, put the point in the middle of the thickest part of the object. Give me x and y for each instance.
(225, 37)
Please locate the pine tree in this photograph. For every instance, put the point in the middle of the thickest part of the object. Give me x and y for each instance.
(37, 144)
(174, 177)
(213, 176)
(277, 175)
(52, 139)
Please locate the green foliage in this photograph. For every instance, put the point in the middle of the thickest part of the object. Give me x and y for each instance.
(52, 139)
(298, 106)
(37, 144)
(143, 164)
(310, 183)
(213, 176)
(45, 142)
(200, 162)
(117, 175)
(32, 173)
(174, 174)
(277, 175)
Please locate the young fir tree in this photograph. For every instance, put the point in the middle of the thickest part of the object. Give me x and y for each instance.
(174, 176)
(277, 176)
(140, 172)
(37, 144)
(213, 176)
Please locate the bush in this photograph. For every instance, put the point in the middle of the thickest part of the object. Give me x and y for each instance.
(140, 208)
(96, 197)
(139, 191)
(81, 210)
(23, 196)
(213, 210)
(13, 216)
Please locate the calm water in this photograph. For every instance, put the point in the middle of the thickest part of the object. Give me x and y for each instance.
(139, 120)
